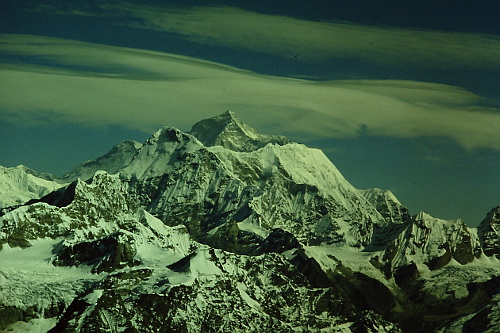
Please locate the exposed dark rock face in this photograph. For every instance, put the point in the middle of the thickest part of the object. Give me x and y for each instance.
(106, 254)
(485, 320)
(406, 275)
(182, 265)
(284, 299)
(278, 241)
(12, 314)
(364, 292)
(313, 272)
(372, 322)
(442, 260)
(60, 198)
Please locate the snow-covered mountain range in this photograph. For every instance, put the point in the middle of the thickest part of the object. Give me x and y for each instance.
(223, 229)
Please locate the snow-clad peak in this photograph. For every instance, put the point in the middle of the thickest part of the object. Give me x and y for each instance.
(493, 216)
(208, 130)
(373, 194)
(160, 152)
(21, 184)
(22, 167)
(387, 204)
(213, 131)
(434, 242)
(427, 220)
(169, 134)
(424, 216)
(114, 160)
(307, 166)
(29, 171)
(126, 144)
(228, 131)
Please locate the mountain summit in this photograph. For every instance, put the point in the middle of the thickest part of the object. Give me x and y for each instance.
(224, 229)
(228, 131)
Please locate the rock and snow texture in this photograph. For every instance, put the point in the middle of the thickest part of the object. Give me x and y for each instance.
(489, 233)
(225, 229)
(20, 184)
(433, 242)
(285, 185)
(103, 264)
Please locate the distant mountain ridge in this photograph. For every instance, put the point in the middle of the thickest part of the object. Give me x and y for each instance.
(225, 229)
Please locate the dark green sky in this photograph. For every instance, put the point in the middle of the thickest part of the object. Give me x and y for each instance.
(400, 95)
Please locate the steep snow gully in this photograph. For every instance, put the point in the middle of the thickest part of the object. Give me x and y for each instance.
(224, 229)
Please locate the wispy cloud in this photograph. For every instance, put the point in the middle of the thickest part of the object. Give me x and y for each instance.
(98, 85)
(307, 40)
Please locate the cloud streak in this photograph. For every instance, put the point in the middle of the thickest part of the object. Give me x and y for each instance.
(308, 40)
(70, 81)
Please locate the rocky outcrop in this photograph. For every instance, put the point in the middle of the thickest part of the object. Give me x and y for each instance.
(112, 252)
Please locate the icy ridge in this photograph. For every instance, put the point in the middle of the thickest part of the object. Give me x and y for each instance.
(114, 160)
(160, 153)
(302, 192)
(96, 210)
(100, 230)
(21, 184)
